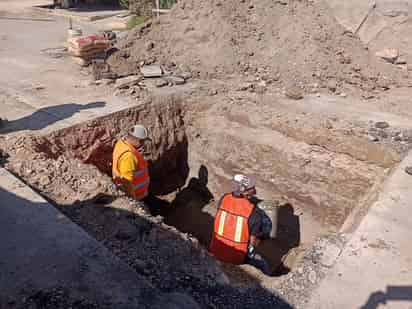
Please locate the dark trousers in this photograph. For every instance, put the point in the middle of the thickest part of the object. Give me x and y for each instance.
(259, 262)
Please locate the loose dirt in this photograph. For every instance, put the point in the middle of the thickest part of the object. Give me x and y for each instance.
(297, 44)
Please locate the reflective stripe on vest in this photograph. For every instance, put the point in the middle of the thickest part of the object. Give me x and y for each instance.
(231, 230)
(222, 223)
(141, 180)
(238, 231)
(141, 184)
(140, 172)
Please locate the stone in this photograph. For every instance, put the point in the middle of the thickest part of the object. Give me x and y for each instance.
(108, 75)
(294, 93)
(127, 82)
(343, 95)
(260, 89)
(400, 61)
(380, 134)
(397, 138)
(312, 277)
(373, 137)
(408, 170)
(161, 83)
(389, 54)
(367, 96)
(332, 85)
(149, 46)
(212, 92)
(44, 180)
(329, 255)
(381, 125)
(107, 81)
(175, 80)
(245, 86)
(151, 70)
(186, 75)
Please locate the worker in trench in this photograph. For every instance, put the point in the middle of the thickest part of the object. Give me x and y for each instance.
(130, 168)
(240, 225)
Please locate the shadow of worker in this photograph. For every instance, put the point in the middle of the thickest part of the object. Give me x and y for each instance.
(393, 293)
(188, 212)
(47, 116)
(276, 249)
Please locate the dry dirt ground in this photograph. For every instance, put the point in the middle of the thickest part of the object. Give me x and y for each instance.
(323, 157)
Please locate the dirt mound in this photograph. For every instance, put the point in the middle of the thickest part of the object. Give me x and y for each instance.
(294, 43)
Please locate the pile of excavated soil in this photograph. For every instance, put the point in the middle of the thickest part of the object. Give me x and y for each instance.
(297, 43)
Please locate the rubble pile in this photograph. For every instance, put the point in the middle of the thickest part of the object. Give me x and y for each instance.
(276, 43)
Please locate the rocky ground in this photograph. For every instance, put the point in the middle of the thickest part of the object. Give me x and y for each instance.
(285, 44)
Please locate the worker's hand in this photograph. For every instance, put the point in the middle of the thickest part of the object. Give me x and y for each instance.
(251, 252)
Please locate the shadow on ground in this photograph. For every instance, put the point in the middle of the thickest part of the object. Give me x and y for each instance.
(76, 6)
(46, 116)
(193, 210)
(392, 294)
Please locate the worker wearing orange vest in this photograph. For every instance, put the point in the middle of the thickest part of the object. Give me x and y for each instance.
(130, 169)
(238, 226)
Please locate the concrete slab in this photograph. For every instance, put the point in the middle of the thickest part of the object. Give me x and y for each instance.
(41, 249)
(374, 270)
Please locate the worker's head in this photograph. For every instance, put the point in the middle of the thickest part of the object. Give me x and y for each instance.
(244, 185)
(138, 135)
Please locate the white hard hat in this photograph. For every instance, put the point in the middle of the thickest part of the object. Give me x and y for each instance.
(139, 131)
(244, 182)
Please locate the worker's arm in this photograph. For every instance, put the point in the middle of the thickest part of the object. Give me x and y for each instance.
(254, 241)
(127, 166)
(255, 230)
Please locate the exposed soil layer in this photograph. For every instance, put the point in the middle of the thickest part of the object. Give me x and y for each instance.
(193, 156)
(294, 44)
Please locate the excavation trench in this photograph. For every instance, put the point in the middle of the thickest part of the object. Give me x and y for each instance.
(193, 156)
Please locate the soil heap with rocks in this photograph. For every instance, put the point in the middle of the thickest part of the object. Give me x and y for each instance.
(282, 43)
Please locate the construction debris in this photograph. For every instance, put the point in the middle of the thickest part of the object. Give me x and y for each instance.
(161, 83)
(174, 80)
(389, 54)
(294, 93)
(127, 82)
(382, 125)
(289, 43)
(151, 71)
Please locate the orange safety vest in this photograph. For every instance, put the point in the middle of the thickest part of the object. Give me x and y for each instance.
(230, 238)
(141, 180)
